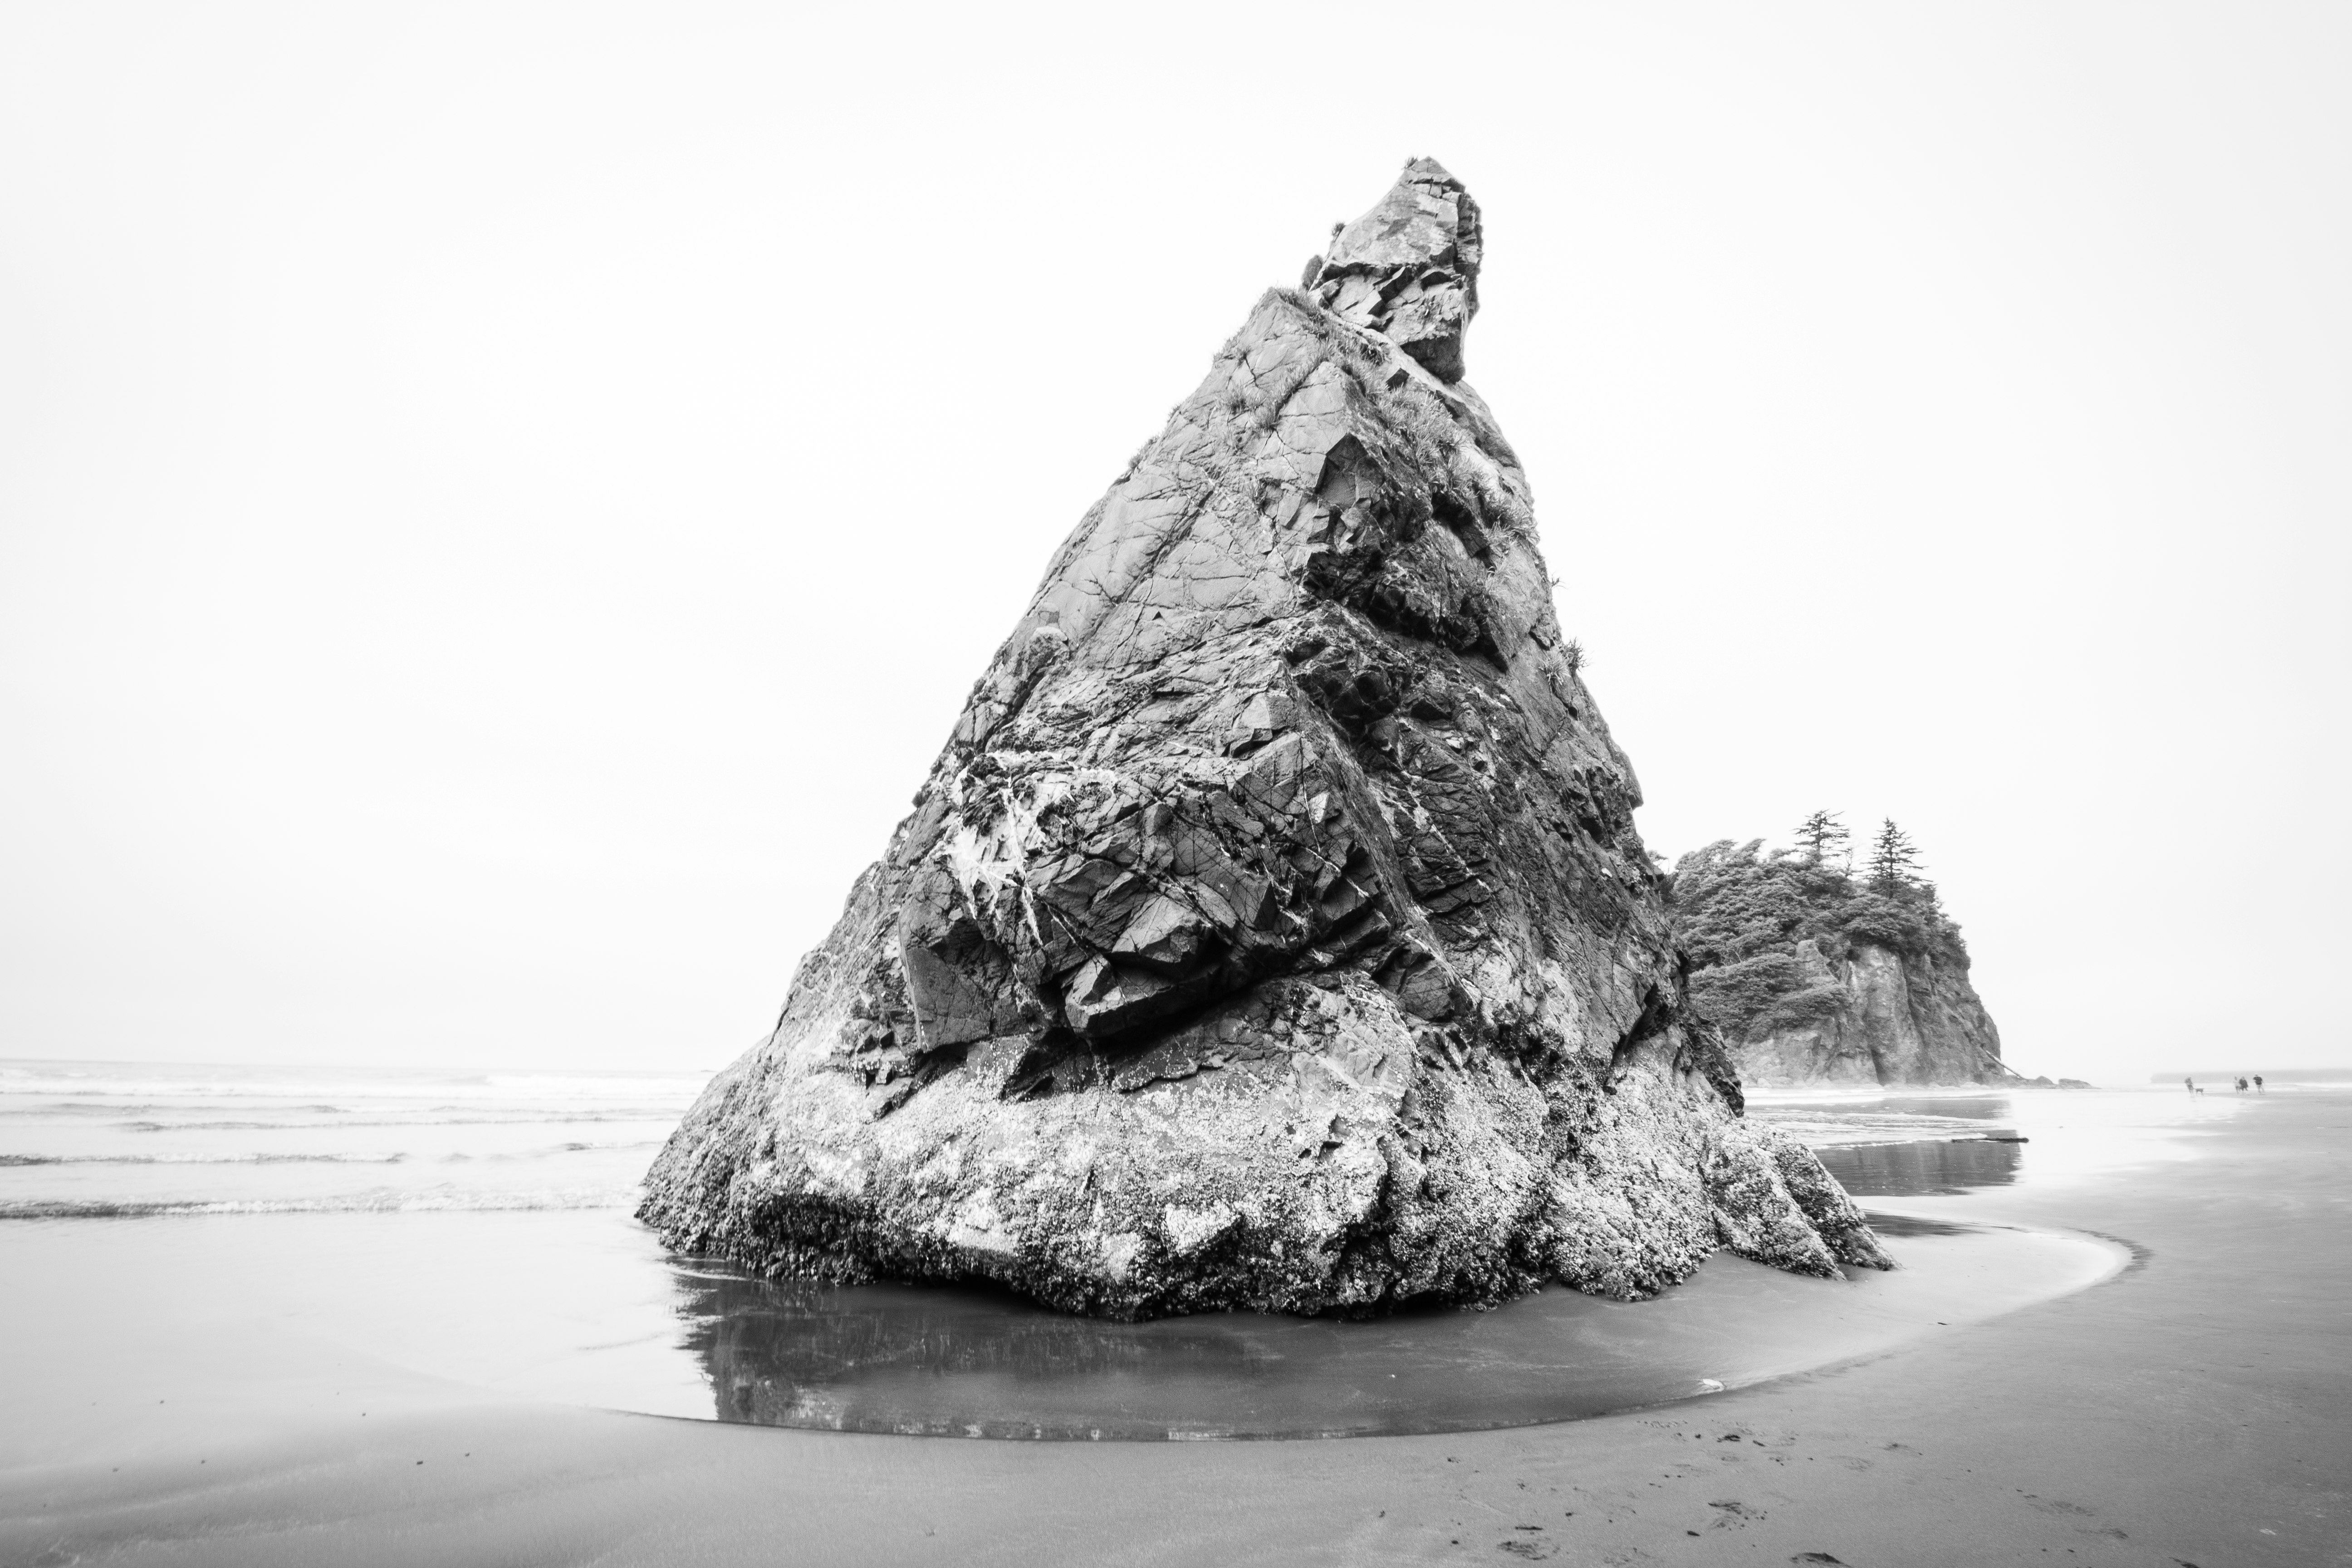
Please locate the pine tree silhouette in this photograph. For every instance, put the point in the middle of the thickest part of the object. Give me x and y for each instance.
(1821, 835)
(1894, 859)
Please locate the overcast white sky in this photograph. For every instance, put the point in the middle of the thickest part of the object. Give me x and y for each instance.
(501, 505)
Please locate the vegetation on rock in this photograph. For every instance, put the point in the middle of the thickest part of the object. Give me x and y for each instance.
(1767, 931)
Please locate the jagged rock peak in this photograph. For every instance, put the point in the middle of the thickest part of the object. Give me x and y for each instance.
(1409, 269)
(1272, 930)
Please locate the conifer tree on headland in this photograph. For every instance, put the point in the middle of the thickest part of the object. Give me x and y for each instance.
(1894, 859)
(1821, 835)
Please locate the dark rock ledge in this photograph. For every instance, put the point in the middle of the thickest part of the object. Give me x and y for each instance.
(1272, 931)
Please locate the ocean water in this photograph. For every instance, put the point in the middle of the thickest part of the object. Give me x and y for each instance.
(196, 1252)
(1904, 1145)
(116, 1141)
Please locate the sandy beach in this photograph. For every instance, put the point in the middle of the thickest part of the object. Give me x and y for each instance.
(2194, 1409)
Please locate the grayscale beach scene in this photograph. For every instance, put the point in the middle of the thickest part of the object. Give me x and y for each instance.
(1655, 885)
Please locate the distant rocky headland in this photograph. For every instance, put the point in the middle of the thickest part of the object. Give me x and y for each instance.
(1272, 930)
(1820, 973)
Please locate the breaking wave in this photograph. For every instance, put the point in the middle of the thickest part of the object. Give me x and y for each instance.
(149, 1081)
(382, 1200)
(405, 1122)
(202, 1159)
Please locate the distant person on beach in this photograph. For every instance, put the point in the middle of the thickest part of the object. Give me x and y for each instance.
(2190, 1084)
(2258, 1083)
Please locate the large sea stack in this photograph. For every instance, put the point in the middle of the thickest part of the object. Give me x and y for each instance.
(1272, 931)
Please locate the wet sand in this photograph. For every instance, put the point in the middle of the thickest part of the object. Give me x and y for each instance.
(2195, 1409)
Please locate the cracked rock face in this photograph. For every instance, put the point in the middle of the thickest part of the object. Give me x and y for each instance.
(1273, 930)
(1409, 269)
(1907, 1019)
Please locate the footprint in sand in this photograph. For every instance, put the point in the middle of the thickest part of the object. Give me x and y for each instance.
(1527, 1546)
(2052, 1505)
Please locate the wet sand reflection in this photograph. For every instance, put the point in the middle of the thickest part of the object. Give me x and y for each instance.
(969, 1362)
(1917, 1170)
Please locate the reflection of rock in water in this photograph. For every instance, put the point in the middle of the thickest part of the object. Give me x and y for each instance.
(1898, 1170)
(963, 1362)
(785, 1351)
